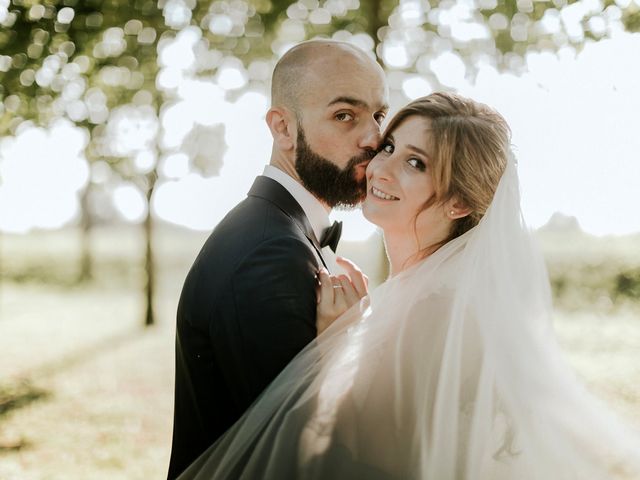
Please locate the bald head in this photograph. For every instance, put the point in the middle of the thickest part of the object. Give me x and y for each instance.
(313, 62)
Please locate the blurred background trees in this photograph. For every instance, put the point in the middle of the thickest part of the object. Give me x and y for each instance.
(114, 68)
(119, 119)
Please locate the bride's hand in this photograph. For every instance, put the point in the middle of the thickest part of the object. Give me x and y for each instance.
(338, 293)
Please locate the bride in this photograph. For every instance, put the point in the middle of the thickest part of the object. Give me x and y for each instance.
(450, 369)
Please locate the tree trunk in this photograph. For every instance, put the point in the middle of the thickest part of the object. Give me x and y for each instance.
(374, 14)
(86, 261)
(2, 273)
(149, 318)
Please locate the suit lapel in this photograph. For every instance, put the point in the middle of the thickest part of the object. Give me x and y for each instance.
(272, 191)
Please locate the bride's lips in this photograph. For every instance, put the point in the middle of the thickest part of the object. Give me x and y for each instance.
(381, 195)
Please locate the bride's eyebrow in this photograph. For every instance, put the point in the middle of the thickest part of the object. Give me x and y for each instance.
(418, 150)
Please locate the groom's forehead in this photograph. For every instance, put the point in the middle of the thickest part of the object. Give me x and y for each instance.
(365, 96)
(359, 91)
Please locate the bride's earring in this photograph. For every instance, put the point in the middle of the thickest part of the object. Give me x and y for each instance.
(452, 213)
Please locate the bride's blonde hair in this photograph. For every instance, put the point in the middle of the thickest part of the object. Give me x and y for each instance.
(471, 147)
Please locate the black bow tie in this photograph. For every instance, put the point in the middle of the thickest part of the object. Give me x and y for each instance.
(331, 236)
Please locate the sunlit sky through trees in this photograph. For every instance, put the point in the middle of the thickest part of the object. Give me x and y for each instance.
(574, 116)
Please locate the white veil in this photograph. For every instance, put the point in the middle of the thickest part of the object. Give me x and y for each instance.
(450, 370)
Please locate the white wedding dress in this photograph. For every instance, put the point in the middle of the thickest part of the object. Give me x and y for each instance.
(450, 370)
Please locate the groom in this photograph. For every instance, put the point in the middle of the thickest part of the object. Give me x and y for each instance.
(248, 304)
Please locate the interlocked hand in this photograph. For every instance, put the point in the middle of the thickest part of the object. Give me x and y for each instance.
(337, 293)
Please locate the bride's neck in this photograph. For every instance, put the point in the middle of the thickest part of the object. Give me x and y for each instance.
(405, 249)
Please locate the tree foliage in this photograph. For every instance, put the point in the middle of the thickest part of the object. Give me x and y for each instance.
(82, 58)
(77, 59)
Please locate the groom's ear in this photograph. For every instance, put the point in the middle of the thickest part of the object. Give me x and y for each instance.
(282, 129)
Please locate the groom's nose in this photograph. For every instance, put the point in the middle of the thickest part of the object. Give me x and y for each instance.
(371, 137)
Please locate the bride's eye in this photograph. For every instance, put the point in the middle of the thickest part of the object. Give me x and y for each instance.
(417, 164)
(387, 147)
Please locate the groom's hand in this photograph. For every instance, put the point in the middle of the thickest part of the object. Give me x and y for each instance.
(336, 294)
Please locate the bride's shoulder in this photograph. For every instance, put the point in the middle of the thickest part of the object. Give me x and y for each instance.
(441, 271)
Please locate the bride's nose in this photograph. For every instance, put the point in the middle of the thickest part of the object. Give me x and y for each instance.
(380, 169)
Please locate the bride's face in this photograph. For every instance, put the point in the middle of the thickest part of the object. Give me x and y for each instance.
(399, 182)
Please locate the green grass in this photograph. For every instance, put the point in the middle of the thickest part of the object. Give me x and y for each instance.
(88, 392)
(601, 273)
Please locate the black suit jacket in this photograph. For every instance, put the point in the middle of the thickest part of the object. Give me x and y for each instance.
(248, 306)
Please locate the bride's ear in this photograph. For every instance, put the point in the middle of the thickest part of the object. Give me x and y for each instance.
(282, 126)
(455, 209)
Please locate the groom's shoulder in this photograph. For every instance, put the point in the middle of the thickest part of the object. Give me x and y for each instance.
(257, 216)
(255, 225)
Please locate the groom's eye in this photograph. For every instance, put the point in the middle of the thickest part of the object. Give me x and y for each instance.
(344, 117)
(380, 118)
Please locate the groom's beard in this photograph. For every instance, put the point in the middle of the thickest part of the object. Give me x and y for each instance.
(334, 186)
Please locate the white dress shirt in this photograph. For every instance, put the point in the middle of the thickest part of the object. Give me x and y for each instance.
(313, 209)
